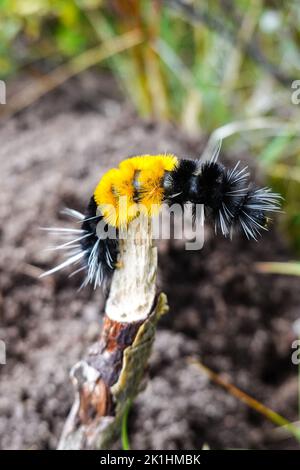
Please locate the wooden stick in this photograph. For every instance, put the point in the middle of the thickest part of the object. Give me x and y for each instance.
(110, 376)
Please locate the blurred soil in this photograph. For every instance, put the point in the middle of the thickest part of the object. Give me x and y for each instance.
(237, 321)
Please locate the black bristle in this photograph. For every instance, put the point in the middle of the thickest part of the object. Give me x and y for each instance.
(231, 202)
(105, 256)
(177, 183)
(231, 192)
(251, 216)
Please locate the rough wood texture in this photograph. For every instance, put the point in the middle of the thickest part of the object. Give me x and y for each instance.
(110, 376)
(133, 287)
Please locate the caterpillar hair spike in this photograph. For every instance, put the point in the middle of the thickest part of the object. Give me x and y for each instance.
(230, 201)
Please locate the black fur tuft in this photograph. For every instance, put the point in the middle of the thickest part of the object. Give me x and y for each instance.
(251, 216)
(231, 202)
(228, 199)
(177, 184)
(100, 253)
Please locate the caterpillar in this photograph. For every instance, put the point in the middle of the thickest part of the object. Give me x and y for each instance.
(146, 182)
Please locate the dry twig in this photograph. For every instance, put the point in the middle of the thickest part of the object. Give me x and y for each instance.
(111, 375)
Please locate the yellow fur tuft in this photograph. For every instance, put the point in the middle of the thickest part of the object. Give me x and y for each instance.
(105, 197)
(115, 193)
(152, 192)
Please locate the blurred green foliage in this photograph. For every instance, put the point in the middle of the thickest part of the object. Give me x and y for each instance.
(201, 64)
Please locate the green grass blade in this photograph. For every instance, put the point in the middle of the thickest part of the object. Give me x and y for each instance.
(291, 268)
(124, 430)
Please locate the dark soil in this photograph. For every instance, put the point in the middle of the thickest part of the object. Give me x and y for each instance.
(237, 321)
